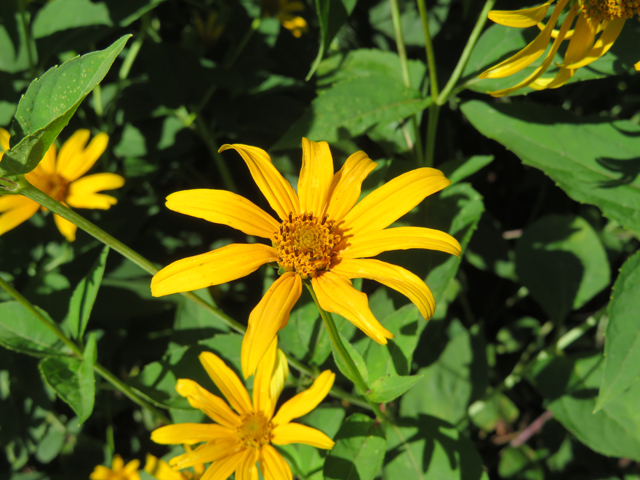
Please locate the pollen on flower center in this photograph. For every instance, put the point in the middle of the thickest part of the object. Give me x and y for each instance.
(610, 9)
(57, 187)
(306, 244)
(255, 430)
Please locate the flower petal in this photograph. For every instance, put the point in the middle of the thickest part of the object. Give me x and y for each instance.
(279, 377)
(297, 433)
(269, 316)
(117, 463)
(347, 184)
(190, 433)
(5, 136)
(212, 268)
(132, 466)
(226, 208)
(48, 162)
(392, 200)
(305, 401)
(213, 406)
(161, 469)
(207, 453)
(17, 209)
(101, 473)
(273, 465)
(400, 238)
(315, 177)
(392, 276)
(262, 401)
(223, 468)
(336, 294)
(67, 229)
(74, 160)
(274, 186)
(637, 66)
(527, 17)
(247, 469)
(227, 382)
(602, 45)
(82, 192)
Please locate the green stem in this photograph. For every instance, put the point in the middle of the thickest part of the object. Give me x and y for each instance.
(243, 43)
(334, 335)
(29, 39)
(208, 139)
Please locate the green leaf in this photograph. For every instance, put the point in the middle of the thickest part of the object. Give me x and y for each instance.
(84, 296)
(73, 379)
(49, 104)
(520, 462)
(20, 330)
(357, 360)
(359, 450)
(390, 387)
(14, 56)
(458, 170)
(593, 160)
(65, 14)
(622, 337)
(193, 323)
(562, 262)
(486, 414)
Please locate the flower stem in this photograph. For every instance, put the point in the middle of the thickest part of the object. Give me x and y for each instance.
(208, 139)
(22, 5)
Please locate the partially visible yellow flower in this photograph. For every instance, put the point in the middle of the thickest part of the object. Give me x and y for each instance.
(161, 470)
(118, 470)
(210, 31)
(597, 26)
(58, 175)
(324, 236)
(283, 11)
(637, 65)
(238, 439)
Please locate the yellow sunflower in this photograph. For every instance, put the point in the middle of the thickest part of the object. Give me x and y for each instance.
(238, 439)
(58, 175)
(161, 470)
(322, 236)
(597, 26)
(118, 470)
(283, 11)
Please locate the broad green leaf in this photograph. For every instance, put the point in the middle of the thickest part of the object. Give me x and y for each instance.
(520, 462)
(14, 56)
(488, 249)
(486, 414)
(73, 379)
(622, 337)
(85, 295)
(592, 160)
(49, 104)
(20, 330)
(193, 323)
(65, 14)
(458, 170)
(390, 387)
(351, 107)
(359, 450)
(562, 262)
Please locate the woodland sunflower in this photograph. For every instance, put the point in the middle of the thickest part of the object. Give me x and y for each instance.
(284, 11)
(322, 236)
(597, 26)
(118, 470)
(238, 439)
(58, 175)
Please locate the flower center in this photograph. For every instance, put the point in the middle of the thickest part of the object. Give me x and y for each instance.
(255, 430)
(306, 244)
(610, 9)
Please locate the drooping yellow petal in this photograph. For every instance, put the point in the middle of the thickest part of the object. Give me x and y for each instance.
(602, 45)
(227, 382)
(213, 268)
(208, 452)
(190, 433)
(392, 200)
(305, 401)
(262, 401)
(74, 160)
(4, 141)
(315, 177)
(161, 469)
(582, 41)
(67, 229)
(279, 377)
(400, 238)
(213, 406)
(274, 186)
(223, 468)
(527, 17)
(17, 209)
(562, 77)
(392, 276)
(297, 433)
(347, 184)
(247, 469)
(528, 54)
(336, 295)
(269, 316)
(273, 466)
(226, 208)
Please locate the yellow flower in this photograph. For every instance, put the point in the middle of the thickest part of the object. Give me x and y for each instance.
(118, 470)
(161, 470)
(237, 440)
(210, 31)
(282, 10)
(592, 17)
(58, 175)
(322, 236)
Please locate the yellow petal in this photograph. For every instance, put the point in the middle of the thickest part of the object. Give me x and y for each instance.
(315, 177)
(16, 211)
(401, 238)
(190, 433)
(581, 42)
(275, 187)
(347, 184)
(207, 453)
(637, 66)
(226, 208)
(273, 465)
(213, 268)
(562, 77)
(48, 162)
(336, 294)
(132, 466)
(602, 45)
(247, 469)
(279, 377)
(161, 469)
(392, 276)
(67, 229)
(117, 463)
(305, 401)
(227, 382)
(74, 160)
(213, 406)
(262, 401)
(4, 140)
(82, 192)
(527, 17)
(297, 433)
(392, 200)
(528, 54)
(269, 316)
(223, 468)
(101, 473)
